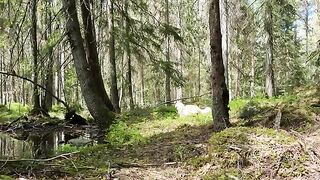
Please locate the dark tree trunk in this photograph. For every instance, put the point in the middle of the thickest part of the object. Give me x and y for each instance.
(269, 88)
(36, 95)
(167, 72)
(91, 51)
(114, 94)
(220, 96)
(87, 64)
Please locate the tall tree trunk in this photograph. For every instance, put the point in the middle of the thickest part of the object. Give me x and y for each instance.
(91, 51)
(226, 61)
(1, 80)
(48, 99)
(307, 26)
(87, 64)
(252, 76)
(179, 53)
(114, 95)
(199, 71)
(269, 87)
(307, 31)
(167, 72)
(220, 97)
(142, 87)
(36, 95)
(128, 55)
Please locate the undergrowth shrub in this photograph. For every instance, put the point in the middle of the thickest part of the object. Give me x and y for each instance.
(58, 108)
(67, 148)
(121, 134)
(251, 109)
(165, 111)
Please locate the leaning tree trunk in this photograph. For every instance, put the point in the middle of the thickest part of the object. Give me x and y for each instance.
(269, 88)
(220, 96)
(114, 95)
(87, 64)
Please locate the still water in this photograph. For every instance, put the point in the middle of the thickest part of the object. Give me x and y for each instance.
(36, 145)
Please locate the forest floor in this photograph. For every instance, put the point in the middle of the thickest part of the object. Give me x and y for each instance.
(270, 139)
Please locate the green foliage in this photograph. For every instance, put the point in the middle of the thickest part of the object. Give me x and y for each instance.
(67, 148)
(3, 177)
(179, 152)
(165, 111)
(121, 134)
(198, 162)
(223, 174)
(237, 105)
(249, 110)
(58, 108)
(12, 111)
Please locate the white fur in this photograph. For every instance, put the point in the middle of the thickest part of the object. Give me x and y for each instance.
(186, 110)
(206, 110)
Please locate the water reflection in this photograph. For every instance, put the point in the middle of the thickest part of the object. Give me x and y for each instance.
(35, 145)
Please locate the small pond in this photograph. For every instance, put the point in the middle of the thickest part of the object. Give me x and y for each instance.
(40, 144)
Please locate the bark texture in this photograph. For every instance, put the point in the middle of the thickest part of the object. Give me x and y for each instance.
(220, 96)
(128, 56)
(167, 71)
(48, 100)
(114, 95)
(36, 95)
(87, 64)
(269, 87)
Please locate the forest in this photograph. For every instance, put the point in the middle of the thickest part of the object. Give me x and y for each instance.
(167, 89)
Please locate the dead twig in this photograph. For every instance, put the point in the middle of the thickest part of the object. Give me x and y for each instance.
(17, 120)
(278, 165)
(306, 147)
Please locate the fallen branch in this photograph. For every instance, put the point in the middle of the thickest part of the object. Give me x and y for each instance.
(40, 160)
(40, 86)
(17, 120)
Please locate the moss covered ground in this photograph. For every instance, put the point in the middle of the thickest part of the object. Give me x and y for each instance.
(157, 144)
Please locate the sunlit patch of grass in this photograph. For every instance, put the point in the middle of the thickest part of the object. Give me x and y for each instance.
(121, 134)
(162, 125)
(67, 148)
(136, 126)
(57, 111)
(298, 111)
(3, 177)
(12, 111)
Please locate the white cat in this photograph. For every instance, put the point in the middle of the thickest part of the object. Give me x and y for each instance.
(186, 110)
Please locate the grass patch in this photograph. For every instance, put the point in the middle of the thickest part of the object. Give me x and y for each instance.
(149, 122)
(298, 111)
(12, 111)
(121, 134)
